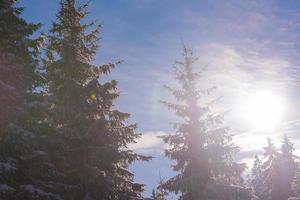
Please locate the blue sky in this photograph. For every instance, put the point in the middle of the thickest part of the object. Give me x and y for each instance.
(247, 45)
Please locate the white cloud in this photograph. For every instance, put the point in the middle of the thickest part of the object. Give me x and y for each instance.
(149, 143)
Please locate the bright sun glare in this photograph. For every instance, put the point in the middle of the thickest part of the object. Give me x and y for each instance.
(263, 110)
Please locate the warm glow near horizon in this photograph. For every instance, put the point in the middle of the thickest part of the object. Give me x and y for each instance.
(263, 110)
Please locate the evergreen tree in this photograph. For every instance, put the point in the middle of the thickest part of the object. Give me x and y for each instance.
(256, 180)
(92, 152)
(153, 194)
(25, 168)
(269, 170)
(10, 93)
(160, 193)
(296, 183)
(287, 168)
(17, 59)
(273, 178)
(201, 147)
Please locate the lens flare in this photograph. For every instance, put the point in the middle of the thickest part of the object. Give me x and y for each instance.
(263, 110)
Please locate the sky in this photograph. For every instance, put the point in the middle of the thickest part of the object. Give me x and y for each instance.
(247, 47)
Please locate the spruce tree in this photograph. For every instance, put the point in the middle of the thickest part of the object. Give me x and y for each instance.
(10, 93)
(269, 170)
(256, 180)
(287, 168)
(25, 168)
(159, 193)
(153, 194)
(296, 183)
(201, 146)
(93, 136)
(17, 59)
(273, 178)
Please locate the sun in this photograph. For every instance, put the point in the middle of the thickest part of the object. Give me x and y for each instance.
(263, 110)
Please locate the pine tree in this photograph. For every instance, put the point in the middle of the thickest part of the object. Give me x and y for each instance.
(201, 147)
(25, 168)
(92, 152)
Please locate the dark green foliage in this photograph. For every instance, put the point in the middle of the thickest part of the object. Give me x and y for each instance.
(93, 136)
(26, 171)
(25, 166)
(18, 53)
(62, 138)
(16, 40)
(201, 146)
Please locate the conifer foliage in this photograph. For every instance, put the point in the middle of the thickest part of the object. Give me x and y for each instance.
(159, 193)
(201, 145)
(274, 176)
(62, 138)
(93, 153)
(26, 171)
(17, 58)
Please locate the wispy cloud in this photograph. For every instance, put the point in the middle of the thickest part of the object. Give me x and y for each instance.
(149, 143)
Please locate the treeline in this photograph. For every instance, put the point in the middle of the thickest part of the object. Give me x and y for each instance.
(62, 138)
(67, 141)
(204, 152)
